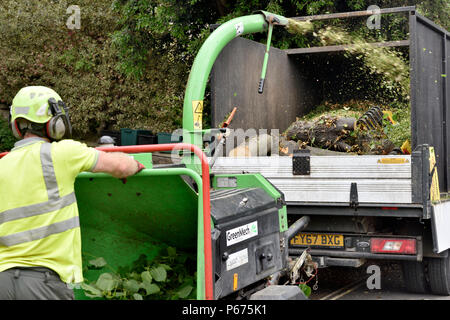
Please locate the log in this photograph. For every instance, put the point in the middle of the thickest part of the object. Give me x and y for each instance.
(338, 134)
(325, 132)
(255, 146)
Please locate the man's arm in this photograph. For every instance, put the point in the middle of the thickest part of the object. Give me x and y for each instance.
(119, 165)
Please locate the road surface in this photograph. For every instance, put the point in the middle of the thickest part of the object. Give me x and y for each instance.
(351, 284)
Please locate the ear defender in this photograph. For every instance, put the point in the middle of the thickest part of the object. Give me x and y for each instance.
(56, 128)
(59, 125)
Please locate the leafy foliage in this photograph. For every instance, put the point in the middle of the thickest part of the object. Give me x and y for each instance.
(178, 28)
(7, 139)
(400, 131)
(128, 64)
(81, 65)
(377, 60)
(397, 132)
(168, 28)
(166, 277)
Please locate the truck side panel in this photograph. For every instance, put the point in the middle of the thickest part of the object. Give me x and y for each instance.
(430, 110)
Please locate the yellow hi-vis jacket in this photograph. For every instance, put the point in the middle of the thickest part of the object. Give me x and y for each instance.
(39, 224)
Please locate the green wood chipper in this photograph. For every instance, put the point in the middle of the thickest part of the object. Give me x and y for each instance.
(237, 224)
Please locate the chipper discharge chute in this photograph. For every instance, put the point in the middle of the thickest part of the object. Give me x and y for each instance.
(236, 224)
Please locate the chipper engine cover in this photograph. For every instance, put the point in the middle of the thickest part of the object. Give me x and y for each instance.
(245, 239)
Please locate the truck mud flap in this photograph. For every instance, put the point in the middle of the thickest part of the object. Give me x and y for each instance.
(440, 220)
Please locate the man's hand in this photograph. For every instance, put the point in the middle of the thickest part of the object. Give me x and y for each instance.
(140, 166)
(119, 165)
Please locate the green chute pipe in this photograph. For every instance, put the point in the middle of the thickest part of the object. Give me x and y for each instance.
(204, 61)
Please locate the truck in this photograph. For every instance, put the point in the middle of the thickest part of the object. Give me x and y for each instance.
(361, 207)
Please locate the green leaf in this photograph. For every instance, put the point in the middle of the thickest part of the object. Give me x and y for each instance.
(134, 275)
(146, 276)
(306, 289)
(106, 282)
(92, 295)
(165, 266)
(159, 274)
(137, 296)
(182, 259)
(91, 291)
(171, 251)
(150, 288)
(98, 263)
(185, 291)
(131, 286)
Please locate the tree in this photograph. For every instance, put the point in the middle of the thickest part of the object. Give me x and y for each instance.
(178, 28)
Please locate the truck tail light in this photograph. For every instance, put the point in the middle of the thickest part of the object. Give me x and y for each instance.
(382, 245)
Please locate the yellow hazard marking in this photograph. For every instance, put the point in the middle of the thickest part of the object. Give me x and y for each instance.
(197, 111)
(406, 147)
(235, 281)
(392, 160)
(435, 194)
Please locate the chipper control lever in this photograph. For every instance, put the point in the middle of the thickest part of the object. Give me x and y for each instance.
(221, 139)
(266, 56)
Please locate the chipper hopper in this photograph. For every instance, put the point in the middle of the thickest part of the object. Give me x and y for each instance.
(236, 224)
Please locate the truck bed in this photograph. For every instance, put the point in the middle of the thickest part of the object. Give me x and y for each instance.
(378, 179)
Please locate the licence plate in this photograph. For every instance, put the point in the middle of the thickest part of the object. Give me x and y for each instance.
(318, 239)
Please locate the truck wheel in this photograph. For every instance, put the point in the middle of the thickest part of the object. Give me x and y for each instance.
(414, 276)
(439, 274)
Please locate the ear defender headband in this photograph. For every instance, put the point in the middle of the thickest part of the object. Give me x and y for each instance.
(15, 128)
(59, 125)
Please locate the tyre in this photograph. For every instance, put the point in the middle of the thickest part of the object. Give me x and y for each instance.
(414, 276)
(439, 274)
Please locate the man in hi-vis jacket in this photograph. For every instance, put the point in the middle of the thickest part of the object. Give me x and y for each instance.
(40, 242)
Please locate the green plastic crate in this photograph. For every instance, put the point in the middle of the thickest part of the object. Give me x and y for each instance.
(164, 137)
(129, 137)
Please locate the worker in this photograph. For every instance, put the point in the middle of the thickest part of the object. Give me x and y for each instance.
(40, 242)
(105, 141)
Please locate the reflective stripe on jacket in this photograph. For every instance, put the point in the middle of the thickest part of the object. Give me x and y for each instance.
(39, 224)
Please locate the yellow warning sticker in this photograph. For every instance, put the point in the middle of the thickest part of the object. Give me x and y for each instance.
(197, 111)
(393, 160)
(235, 281)
(435, 194)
